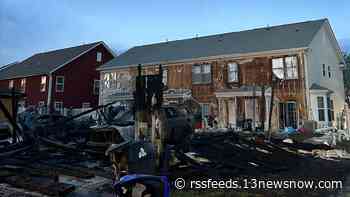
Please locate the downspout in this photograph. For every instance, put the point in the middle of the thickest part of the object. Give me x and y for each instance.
(49, 94)
(307, 85)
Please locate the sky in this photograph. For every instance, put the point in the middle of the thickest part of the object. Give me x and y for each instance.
(28, 27)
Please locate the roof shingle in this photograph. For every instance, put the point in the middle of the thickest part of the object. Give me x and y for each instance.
(288, 36)
(43, 63)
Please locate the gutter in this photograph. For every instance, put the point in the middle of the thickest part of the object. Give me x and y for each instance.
(218, 57)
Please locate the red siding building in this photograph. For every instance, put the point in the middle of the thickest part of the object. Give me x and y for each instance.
(60, 79)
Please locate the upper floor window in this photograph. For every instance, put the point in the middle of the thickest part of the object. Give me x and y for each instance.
(43, 84)
(60, 84)
(201, 74)
(96, 87)
(329, 72)
(232, 72)
(324, 70)
(165, 77)
(285, 68)
(23, 85)
(98, 56)
(10, 84)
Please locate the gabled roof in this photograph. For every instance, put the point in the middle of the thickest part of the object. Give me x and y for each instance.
(290, 36)
(45, 63)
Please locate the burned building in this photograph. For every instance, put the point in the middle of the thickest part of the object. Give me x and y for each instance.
(234, 75)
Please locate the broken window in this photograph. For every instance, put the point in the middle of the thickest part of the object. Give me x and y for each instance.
(277, 67)
(96, 88)
(60, 84)
(43, 84)
(321, 108)
(23, 85)
(10, 84)
(291, 67)
(201, 74)
(285, 68)
(232, 72)
(98, 56)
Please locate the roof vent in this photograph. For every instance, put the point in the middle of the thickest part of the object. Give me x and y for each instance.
(268, 28)
(196, 36)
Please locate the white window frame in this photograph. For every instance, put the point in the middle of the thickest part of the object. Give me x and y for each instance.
(59, 109)
(324, 70)
(43, 82)
(85, 105)
(61, 83)
(232, 72)
(96, 87)
(11, 84)
(320, 108)
(107, 80)
(201, 70)
(23, 85)
(281, 66)
(329, 72)
(165, 77)
(99, 57)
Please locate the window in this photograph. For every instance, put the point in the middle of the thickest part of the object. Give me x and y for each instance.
(324, 70)
(285, 68)
(41, 104)
(232, 72)
(107, 80)
(201, 74)
(291, 64)
(165, 77)
(43, 84)
(86, 105)
(10, 84)
(288, 114)
(60, 84)
(329, 72)
(59, 106)
(321, 108)
(96, 87)
(98, 56)
(330, 106)
(205, 110)
(277, 67)
(23, 85)
(170, 112)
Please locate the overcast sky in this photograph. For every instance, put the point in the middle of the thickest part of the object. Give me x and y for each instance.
(28, 27)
